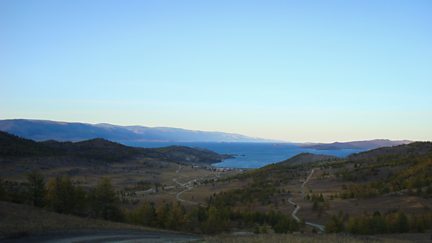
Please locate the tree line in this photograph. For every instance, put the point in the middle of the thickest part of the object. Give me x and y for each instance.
(378, 223)
(62, 195)
(210, 220)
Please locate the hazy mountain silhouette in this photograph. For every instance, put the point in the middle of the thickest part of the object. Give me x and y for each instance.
(368, 144)
(41, 130)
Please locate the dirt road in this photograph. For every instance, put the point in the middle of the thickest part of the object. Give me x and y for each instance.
(297, 206)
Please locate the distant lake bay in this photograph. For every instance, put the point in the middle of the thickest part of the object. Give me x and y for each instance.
(252, 155)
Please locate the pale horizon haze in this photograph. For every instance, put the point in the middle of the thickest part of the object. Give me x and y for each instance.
(299, 71)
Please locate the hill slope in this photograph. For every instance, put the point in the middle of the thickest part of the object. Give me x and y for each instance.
(102, 150)
(306, 158)
(392, 169)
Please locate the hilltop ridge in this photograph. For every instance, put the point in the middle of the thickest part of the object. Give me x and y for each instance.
(100, 150)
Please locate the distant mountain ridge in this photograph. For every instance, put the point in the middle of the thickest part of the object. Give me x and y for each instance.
(41, 130)
(368, 144)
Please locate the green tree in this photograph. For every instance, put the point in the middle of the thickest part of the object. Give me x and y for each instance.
(104, 201)
(282, 225)
(336, 223)
(64, 197)
(418, 224)
(195, 218)
(378, 224)
(2, 190)
(36, 189)
(402, 224)
(60, 194)
(176, 218)
(354, 226)
(144, 215)
(216, 220)
(162, 213)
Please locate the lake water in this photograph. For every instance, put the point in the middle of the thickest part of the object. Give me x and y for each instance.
(252, 155)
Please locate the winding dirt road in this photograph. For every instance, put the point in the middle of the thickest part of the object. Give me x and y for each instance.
(297, 206)
(189, 186)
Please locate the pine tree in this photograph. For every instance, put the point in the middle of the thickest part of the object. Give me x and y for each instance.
(176, 218)
(144, 215)
(36, 189)
(402, 223)
(162, 214)
(2, 190)
(378, 223)
(336, 223)
(216, 220)
(104, 201)
(63, 197)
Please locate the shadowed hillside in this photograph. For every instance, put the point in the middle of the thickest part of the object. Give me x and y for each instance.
(101, 150)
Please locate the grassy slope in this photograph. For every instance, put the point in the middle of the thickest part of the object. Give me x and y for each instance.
(19, 219)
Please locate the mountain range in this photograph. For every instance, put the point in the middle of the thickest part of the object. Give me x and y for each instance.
(41, 130)
(366, 145)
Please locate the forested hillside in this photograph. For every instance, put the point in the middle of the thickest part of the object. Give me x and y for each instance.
(103, 150)
(402, 169)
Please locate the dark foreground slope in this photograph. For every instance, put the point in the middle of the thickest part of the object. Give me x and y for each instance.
(23, 223)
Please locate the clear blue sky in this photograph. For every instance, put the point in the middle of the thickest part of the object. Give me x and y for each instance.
(292, 70)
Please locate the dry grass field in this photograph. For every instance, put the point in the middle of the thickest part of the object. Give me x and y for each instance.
(202, 192)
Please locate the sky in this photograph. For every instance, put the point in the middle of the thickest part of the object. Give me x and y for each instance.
(315, 71)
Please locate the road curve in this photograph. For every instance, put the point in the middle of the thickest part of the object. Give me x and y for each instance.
(297, 206)
(189, 185)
